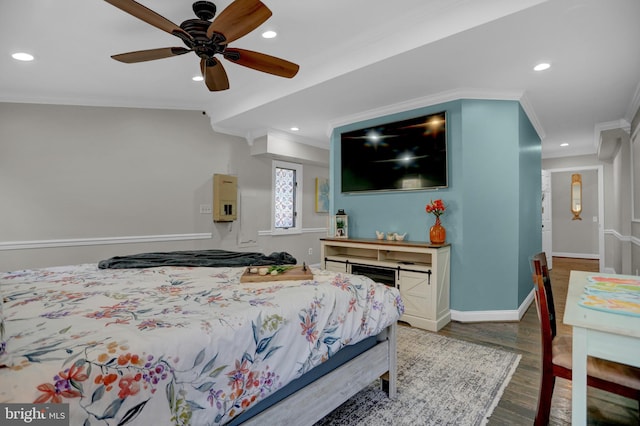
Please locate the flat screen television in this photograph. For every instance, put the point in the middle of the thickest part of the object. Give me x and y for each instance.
(403, 155)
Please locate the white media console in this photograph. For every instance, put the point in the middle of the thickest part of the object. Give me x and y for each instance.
(419, 270)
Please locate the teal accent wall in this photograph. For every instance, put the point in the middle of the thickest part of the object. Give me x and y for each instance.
(530, 201)
(493, 201)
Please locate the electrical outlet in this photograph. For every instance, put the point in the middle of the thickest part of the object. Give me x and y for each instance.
(205, 208)
(310, 251)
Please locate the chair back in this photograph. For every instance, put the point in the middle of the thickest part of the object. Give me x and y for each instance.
(543, 271)
(543, 314)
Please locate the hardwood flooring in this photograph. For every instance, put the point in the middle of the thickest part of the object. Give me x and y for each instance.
(518, 403)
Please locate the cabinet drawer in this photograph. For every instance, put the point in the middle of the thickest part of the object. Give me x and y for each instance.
(335, 266)
(416, 290)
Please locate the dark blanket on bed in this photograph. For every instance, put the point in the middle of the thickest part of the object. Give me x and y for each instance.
(212, 258)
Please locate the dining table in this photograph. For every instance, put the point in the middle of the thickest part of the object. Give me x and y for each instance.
(604, 311)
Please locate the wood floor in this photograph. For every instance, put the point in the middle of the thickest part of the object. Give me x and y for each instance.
(518, 403)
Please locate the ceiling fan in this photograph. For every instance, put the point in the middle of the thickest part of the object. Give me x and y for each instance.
(209, 38)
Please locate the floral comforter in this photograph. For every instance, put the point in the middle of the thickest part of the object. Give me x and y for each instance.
(174, 345)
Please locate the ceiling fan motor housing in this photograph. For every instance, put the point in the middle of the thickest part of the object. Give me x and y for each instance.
(202, 45)
(204, 10)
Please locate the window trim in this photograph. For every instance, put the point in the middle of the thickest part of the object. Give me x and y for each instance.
(297, 229)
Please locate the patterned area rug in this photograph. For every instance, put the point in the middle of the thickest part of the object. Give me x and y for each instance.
(441, 381)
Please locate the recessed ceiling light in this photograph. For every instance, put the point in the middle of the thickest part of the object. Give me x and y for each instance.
(542, 66)
(197, 78)
(295, 129)
(22, 56)
(269, 34)
(564, 144)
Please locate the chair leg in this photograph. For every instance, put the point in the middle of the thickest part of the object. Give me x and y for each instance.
(544, 400)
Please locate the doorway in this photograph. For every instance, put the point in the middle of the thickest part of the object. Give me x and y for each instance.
(573, 234)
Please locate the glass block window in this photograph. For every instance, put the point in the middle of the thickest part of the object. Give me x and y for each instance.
(285, 198)
(287, 195)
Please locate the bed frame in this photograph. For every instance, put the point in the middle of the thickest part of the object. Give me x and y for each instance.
(337, 386)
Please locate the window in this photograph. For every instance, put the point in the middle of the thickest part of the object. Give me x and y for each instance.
(286, 217)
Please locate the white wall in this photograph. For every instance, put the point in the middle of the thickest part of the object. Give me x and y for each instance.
(71, 174)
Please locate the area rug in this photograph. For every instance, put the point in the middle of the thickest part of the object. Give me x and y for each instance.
(441, 381)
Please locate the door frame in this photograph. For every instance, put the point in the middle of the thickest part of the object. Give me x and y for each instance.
(600, 171)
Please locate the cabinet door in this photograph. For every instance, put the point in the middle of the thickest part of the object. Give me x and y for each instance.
(335, 266)
(416, 292)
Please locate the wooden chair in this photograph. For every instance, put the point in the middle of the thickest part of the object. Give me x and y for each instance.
(556, 352)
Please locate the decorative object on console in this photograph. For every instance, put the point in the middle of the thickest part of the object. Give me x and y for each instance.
(339, 226)
(437, 233)
(380, 235)
(399, 237)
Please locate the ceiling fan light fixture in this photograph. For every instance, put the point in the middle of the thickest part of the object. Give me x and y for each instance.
(269, 34)
(22, 56)
(207, 39)
(295, 129)
(197, 78)
(564, 144)
(542, 66)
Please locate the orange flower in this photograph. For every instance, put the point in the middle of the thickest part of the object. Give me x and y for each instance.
(128, 386)
(124, 359)
(74, 373)
(309, 329)
(63, 386)
(53, 394)
(436, 207)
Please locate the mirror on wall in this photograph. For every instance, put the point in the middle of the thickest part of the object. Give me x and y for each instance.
(576, 196)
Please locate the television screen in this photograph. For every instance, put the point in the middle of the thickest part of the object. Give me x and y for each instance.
(403, 155)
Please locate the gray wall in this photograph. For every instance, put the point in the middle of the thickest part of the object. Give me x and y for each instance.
(575, 237)
(70, 174)
(621, 253)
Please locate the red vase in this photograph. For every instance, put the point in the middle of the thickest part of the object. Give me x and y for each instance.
(437, 233)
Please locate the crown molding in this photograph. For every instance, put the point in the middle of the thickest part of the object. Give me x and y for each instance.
(439, 98)
(621, 124)
(634, 106)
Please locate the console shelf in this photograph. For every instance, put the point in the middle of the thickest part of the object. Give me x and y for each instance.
(419, 270)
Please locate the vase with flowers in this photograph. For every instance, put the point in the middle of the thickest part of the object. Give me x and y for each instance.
(437, 233)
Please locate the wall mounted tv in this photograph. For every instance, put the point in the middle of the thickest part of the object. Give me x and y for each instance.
(403, 155)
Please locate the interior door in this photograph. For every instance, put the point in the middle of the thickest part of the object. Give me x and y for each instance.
(546, 217)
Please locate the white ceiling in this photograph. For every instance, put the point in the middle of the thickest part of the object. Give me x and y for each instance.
(358, 59)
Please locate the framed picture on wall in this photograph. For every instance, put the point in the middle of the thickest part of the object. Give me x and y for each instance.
(322, 195)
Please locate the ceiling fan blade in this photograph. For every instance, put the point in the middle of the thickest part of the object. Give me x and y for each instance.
(150, 55)
(261, 62)
(150, 17)
(238, 19)
(215, 77)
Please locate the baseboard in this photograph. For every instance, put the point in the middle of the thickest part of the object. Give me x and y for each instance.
(576, 255)
(494, 316)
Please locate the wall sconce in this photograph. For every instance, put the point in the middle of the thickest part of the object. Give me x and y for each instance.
(576, 196)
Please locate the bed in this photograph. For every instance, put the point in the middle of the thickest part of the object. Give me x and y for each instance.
(193, 345)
